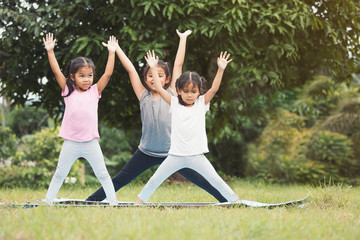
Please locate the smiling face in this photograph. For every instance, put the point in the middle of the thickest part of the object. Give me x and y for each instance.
(83, 78)
(149, 80)
(189, 93)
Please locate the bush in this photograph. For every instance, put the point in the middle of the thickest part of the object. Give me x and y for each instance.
(36, 159)
(286, 154)
(27, 120)
(272, 157)
(335, 151)
(8, 144)
(117, 146)
(232, 160)
(35, 162)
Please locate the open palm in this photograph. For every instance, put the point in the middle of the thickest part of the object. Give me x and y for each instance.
(222, 60)
(151, 59)
(111, 44)
(49, 41)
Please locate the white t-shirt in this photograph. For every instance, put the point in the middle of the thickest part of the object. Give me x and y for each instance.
(188, 131)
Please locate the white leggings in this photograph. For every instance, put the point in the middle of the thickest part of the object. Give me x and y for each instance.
(91, 151)
(199, 163)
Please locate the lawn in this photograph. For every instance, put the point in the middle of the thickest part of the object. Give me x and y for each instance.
(332, 213)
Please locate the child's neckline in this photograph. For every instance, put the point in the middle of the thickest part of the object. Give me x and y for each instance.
(81, 92)
(155, 97)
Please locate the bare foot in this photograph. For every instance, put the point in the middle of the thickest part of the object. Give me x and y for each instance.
(138, 201)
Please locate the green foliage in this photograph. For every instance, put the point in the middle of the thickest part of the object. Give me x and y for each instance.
(320, 98)
(26, 120)
(272, 156)
(35, 162)
(286, 152)
(273, 43)
(346, 120)
(228, 154)
(114, 141)
(117, 146)
(8, 144)
(334, 150)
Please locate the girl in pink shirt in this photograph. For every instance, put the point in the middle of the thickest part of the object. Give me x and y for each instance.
(79, 126)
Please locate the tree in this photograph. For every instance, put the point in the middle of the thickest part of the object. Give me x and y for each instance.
(274, 43)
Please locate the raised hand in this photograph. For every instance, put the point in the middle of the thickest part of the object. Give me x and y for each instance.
(184, 34)
(112, 44)
(151, 59)
(49, 41)
(222, 60)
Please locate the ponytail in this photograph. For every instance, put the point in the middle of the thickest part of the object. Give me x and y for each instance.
(69, 83)
(203, 85)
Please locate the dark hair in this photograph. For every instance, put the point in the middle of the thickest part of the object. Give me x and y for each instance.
(190, 77)
(165, 67)
(72, 68)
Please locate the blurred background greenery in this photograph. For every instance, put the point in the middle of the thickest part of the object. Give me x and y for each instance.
(287, 110)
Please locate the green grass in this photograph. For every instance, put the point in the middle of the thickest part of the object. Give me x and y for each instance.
(333, 213)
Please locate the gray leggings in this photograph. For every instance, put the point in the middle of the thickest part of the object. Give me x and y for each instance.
(91, 151)
(199, 163)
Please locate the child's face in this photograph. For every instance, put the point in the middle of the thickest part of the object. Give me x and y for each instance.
(83, 78)
(150, 81)
(189, 94)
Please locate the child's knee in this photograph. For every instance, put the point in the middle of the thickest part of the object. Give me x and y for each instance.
(102, 175)
(60, 174)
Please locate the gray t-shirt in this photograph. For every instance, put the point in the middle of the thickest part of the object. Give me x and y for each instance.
(156, 125)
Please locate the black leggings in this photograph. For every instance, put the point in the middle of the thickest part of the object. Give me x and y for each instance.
(139, 163)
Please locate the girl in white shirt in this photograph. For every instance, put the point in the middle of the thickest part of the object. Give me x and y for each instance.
(188, 134)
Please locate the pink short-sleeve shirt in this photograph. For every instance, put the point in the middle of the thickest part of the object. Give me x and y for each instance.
(80, 121)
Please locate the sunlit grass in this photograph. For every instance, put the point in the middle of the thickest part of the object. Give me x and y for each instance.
(332, 213)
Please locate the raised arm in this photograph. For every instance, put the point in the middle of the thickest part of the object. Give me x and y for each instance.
(138, 87)
(103, 81)
(49, 43)
(222, 62)
(179, 59)
(152, 61)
